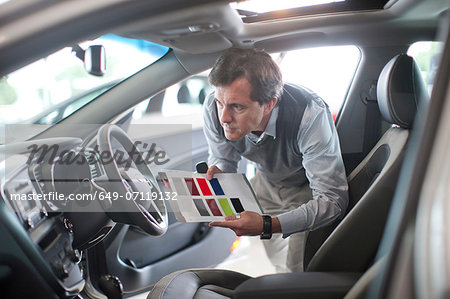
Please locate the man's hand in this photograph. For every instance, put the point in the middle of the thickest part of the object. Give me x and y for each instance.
(211, 171)
(248, 224)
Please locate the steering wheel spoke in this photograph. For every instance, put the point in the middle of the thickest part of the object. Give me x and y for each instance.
(133, 187)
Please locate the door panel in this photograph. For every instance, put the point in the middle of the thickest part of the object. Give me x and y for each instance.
(207, 252)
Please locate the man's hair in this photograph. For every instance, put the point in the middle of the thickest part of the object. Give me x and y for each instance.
(260, 70)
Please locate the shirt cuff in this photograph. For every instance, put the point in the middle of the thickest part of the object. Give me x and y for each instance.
(292, 222)
(223, 165)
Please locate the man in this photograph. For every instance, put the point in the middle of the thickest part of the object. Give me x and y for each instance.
(289, 133)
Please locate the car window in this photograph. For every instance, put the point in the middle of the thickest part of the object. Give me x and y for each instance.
(187, 96)
(180, 103)
(427, 55)
(328, 71)
(54, 87)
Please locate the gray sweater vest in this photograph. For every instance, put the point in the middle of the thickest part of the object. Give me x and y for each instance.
(279, 159)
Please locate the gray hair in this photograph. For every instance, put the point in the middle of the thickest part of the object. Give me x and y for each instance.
(260, 70)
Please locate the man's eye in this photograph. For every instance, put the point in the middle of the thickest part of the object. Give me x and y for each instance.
(238, 108)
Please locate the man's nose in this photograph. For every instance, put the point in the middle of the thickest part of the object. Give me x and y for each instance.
(225, 115)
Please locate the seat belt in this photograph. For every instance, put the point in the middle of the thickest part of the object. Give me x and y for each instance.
(372, 124)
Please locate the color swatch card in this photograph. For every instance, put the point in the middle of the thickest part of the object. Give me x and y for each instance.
(193, 198)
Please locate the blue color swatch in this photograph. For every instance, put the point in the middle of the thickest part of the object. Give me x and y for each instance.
(216, 186)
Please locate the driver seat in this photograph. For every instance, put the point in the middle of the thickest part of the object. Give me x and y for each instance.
(350, 250)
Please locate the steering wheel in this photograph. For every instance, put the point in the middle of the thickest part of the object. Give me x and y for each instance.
(134, 188)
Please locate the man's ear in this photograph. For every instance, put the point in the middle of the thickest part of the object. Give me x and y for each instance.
(268, 107)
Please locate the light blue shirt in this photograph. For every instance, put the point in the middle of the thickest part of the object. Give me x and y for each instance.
(319, 144)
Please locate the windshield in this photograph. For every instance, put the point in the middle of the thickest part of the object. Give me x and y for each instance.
(55, 86)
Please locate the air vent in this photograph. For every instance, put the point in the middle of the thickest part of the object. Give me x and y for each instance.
(94, 165)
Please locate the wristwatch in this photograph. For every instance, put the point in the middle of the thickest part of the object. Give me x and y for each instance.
(267, 228)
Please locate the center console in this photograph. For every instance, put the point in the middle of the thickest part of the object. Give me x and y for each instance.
(44, 236)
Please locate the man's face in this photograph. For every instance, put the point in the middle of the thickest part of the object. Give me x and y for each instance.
(238, 113)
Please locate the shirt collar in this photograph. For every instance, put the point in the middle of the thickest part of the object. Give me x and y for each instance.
(270, 130)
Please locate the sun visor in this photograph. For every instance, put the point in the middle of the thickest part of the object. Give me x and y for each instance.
(200, 43)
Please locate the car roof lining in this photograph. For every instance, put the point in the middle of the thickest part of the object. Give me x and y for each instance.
(227, 28)
(343, 27)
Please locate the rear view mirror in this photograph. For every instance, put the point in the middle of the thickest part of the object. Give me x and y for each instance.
(94, 59)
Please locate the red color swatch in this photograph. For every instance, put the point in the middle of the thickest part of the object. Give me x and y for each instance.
(204, 186)
(191, 186)
(213, 207)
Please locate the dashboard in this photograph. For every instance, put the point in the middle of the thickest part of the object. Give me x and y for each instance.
(45, 232)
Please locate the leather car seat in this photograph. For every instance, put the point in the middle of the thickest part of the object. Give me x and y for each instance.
(352, 246)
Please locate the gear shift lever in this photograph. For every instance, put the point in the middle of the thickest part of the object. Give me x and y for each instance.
(111, 286)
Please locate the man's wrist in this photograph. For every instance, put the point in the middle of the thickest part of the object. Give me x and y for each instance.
(276, 225)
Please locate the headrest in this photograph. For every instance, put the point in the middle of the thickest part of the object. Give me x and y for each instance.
(400, 90)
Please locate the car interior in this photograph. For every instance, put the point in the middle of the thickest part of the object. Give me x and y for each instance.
(391, 125)
(351, 248)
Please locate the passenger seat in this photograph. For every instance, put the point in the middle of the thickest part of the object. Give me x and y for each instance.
(353, 244)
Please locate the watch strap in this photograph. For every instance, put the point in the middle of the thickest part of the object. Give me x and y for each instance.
(267, 227)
